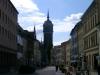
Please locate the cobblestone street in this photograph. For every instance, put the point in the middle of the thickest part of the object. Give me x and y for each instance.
(49, 71)
(45, 71)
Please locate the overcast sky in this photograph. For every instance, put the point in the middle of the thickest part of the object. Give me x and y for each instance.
(63, 13)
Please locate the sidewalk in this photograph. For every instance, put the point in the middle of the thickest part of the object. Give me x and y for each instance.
(90, 73)
(59, 73)
(93, 73)
(50, 70)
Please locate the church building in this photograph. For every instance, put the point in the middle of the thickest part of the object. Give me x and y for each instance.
(48, 40)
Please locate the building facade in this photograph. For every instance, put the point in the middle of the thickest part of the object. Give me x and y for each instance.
(68, 49)
(29, 47)
(8, 34)
(48, 39)
(53, 57)
(90, 21)
(20, 46)
(85, 38)
(98, 27)
(80, 43)
(74, 46)
(64, 53)
(37, 53)
(58, 55)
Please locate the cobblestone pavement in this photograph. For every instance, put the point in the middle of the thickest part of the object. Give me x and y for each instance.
(49, 71)
(45, 71)
(17, 74)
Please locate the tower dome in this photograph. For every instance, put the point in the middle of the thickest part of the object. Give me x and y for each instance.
(48, 26)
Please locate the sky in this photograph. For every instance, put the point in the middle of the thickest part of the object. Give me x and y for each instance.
(64, 14)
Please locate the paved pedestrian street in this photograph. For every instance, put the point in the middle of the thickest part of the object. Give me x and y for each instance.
(49, 71)
(45, 71)
(52, 71)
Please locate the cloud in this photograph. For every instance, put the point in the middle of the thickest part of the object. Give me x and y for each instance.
(64, 25)
(67, 23)
(25, 5)
(30, 15)
(57, 43)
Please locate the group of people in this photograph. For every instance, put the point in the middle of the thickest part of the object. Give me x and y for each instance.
(66, 70)
(71, 70)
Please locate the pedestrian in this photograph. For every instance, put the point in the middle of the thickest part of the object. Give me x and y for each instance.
(88, 72)
(56, 68)
(87, 69)
(98, 69)
(68, 71)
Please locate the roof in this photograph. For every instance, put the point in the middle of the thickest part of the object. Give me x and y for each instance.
(88, 9)
(47, 22)
(13, 6)
(76, 27)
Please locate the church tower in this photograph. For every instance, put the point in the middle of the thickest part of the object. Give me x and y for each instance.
(48, 39)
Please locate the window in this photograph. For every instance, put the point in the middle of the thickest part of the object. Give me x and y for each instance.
(89, 42)
(6, 18)
(5, 32)
(92, 40)
(0, 14)
(96, 38)
(6, 3)
(85, 43)
(8, 34)
(94, 20)
(0, 29)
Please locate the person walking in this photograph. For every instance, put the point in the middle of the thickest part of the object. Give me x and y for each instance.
(98, 69)
(56, 68)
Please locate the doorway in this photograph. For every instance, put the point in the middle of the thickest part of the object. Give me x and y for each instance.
(95, 61)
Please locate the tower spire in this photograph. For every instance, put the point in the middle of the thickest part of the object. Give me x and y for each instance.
(34, 32)
(48, 15)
